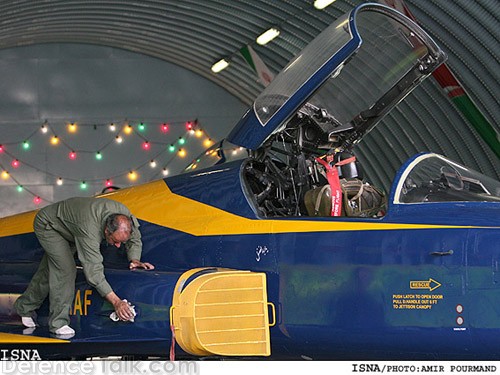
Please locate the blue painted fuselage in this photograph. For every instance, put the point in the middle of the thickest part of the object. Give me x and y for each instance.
(389, 293)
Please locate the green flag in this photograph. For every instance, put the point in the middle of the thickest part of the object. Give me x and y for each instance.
(256, 63)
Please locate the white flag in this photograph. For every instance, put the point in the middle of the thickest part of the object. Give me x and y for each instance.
(256, 63)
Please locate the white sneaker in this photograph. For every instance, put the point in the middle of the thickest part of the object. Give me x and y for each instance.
(65, 331)
(29, 331)
(28, 322)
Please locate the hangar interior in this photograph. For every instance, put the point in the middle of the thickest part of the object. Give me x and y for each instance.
(73, 69)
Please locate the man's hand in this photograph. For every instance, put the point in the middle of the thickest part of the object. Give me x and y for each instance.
(134, 263)
(121, 307)
(123, 310)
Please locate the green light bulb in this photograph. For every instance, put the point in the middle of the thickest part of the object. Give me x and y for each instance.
(98, 155)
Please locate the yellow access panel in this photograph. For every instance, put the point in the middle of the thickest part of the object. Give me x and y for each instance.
(222, 312)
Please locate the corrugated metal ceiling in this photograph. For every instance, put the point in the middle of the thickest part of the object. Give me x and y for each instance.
(194, 34)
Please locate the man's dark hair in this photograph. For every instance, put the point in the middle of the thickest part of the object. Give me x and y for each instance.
(113, 222)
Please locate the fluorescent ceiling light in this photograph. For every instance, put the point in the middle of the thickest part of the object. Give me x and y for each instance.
(321, 4)
(267, 36)
(220, 65)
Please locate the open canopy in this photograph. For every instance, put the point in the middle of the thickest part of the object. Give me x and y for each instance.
(351, 75)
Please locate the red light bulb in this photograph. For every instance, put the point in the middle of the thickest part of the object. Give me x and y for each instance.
(164, 127)
(15, 163)
(189, 125)
(109, 183)
(37, 200)
(146, 145)
(72, 155)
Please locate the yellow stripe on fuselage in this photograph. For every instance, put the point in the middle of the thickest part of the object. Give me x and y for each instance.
(17, 224)
(154, 202)
(10, 338)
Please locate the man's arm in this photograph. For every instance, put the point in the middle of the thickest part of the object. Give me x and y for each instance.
(134, 248)
(91, 259)
(134, 243)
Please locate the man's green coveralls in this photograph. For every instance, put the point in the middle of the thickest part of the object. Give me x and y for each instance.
(61, 227)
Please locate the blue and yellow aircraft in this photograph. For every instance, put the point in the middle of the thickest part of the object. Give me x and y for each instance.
(284, 250)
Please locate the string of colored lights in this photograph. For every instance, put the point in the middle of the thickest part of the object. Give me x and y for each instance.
(192, 127)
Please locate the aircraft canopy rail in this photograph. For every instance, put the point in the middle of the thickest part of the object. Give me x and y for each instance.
(221, 152)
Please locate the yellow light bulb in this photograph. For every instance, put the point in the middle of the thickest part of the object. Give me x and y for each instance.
(208, 142)
(128, 129)
(132, 176)
(54, 140)
(182, 152)
(72, 127)
(5, 175)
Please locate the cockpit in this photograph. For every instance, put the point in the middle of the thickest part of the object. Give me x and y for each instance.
(298, 173)
(302, 129)
(430, 178)
(300, 134)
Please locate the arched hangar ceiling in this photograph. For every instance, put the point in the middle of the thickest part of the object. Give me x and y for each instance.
(196, 33)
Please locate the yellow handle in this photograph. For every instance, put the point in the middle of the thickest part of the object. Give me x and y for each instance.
(273, 314)
(172, 314)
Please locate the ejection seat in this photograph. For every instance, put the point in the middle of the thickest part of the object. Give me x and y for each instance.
(359, 199)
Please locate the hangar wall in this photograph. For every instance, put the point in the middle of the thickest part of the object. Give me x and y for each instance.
(94, 86)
